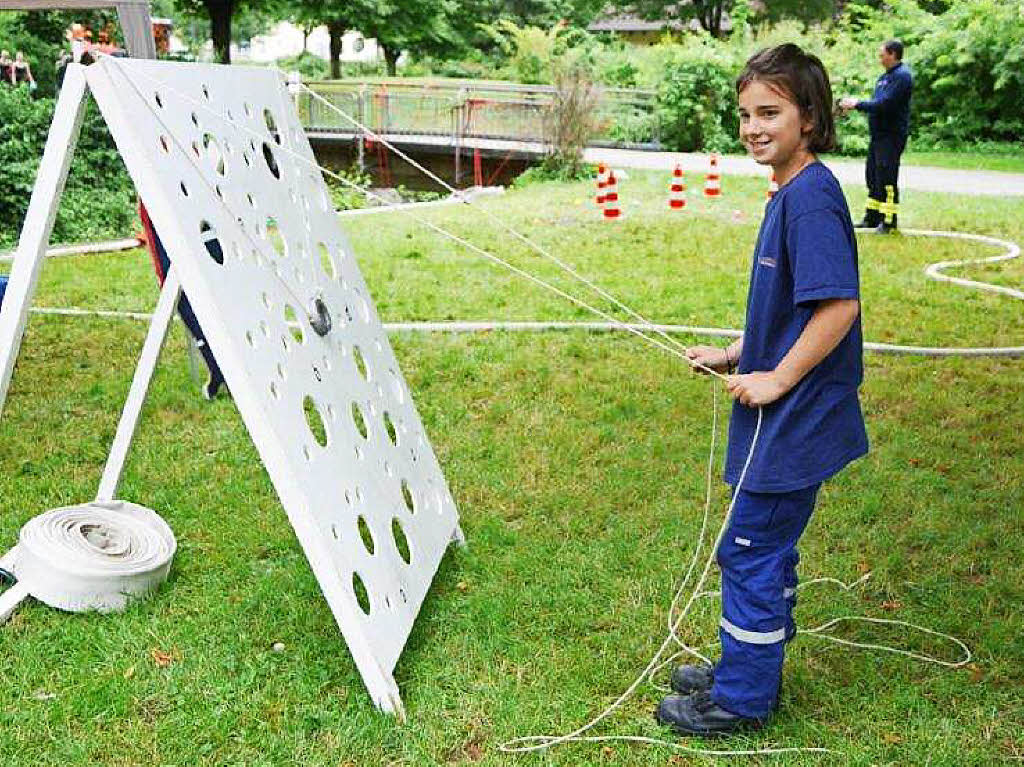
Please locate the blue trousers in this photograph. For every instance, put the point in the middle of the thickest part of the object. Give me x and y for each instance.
(758, 558)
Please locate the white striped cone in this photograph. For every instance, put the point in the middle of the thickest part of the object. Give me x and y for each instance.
(611, 198)
(677, 192)
(713, 181)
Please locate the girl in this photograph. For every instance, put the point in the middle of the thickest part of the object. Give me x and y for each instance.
(799, 362)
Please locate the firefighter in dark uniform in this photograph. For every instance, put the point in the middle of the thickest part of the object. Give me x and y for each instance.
(888, 113)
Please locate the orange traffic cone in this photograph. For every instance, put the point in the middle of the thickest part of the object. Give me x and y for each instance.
(602, 182)
(677, 192)
(712, 181)
(611, 198)
(773, 187)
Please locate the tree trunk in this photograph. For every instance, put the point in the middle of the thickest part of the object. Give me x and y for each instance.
(336, 30)
(391, 59)
(220, 12)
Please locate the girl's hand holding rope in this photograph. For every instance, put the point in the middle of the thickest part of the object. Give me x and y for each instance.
(711, 357)
(757, 389)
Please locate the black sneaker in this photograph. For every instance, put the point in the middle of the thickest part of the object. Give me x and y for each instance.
(884, 228)
(691, 679)
(866, 223)
(697, 714)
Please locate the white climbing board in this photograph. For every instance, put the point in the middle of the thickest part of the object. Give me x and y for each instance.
(219, 157)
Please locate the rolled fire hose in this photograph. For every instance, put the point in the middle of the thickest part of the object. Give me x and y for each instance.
(92, 556)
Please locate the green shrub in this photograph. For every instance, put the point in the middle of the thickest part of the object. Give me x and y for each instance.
(696, 102)
(97, 200)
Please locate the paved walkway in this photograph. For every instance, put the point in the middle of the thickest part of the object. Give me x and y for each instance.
(927, 179)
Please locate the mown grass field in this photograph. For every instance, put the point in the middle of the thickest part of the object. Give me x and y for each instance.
(577, 461)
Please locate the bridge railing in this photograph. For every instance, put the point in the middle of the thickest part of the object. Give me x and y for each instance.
(461, 110)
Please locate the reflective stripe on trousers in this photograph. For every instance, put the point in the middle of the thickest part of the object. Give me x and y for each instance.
(758, 558)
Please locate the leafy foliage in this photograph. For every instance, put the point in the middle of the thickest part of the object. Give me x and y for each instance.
(697, 101)
(98, 199)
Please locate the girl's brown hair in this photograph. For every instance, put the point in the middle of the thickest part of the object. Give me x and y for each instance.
(800, 77)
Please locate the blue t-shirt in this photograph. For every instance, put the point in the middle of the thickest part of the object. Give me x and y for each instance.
(806, 252)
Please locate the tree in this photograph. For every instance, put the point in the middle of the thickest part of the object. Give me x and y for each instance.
(416, 26)
(221, 13)
(708, 13)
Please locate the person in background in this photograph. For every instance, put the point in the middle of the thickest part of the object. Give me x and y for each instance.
(888, 112)
(21, 72)
(6, 71)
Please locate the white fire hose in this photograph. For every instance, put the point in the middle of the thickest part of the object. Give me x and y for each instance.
(93, 556)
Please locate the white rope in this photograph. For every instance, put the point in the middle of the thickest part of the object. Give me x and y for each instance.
(678, 350)
(93, 556)
(106, 246)
(533, 743)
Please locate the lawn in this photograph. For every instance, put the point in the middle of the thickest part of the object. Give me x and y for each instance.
(577, 462)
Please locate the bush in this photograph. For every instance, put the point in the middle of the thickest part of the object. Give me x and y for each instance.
(696, 103)
(969, 74)
(98, 198)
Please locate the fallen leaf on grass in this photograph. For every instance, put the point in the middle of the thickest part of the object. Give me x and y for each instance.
(161, 658)
(892, 738)
(129, 672)
(462, 586)
(863, 567)
(43, 695)
(977, 673)
(892, 604)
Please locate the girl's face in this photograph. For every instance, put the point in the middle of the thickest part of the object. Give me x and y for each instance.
(771, 127)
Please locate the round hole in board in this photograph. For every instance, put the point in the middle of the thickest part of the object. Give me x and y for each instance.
(291, 319)
(183, 188)
(195, 119)
(249, 339)
(268, 156)
(206, 92)
(314, 420)
(364, 534)
(357, 357)
(165, 144)
(214, 152)
(361, 595)
(327, 261)
(274, 390)
(359, 420)
(159, 101)
(389, 427)
(401, 542)
(209, 237)
(407, 497)
(266, 300)
(268, 118)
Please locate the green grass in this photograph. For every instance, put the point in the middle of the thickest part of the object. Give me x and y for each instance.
(576, 460)
(1009, 161)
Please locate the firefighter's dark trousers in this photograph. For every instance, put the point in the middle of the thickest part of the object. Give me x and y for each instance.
(882, 171)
